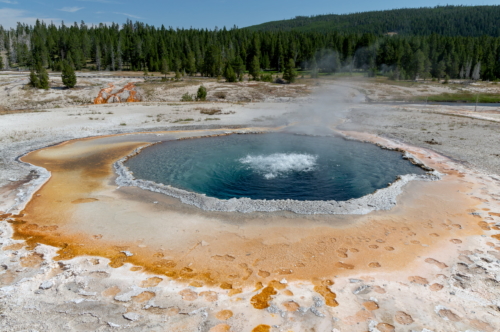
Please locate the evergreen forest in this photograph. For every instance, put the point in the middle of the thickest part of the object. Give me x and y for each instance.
(467, 21)
(450, 50)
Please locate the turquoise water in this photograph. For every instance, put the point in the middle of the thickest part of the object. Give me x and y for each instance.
(272, 166)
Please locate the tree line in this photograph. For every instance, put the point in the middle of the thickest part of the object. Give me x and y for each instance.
(233, 52)
(467, 21)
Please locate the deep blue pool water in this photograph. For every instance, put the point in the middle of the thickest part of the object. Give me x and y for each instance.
(272, 166)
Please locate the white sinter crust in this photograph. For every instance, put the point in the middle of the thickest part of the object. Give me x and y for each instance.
(382, 199)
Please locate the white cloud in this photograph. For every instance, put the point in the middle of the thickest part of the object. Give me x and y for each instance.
(71, 9)
(9, 2)
(129, 15)
(9, 18)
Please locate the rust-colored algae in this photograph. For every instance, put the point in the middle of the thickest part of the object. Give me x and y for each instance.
(224, 314)
(262, 328)
(84, 200)
(261, 300)
(325, 291)
(82, 171)
(105, 94)
(277, 285)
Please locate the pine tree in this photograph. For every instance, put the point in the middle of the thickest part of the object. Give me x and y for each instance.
(34, 81)
(418, 64)
(281, 64)
(1, 61)
(254, 70)
(191, 64)
(43, 78)
(439, 70)
(136, 45)
(290, 74)
(164, 67)
(68, 76)
(229, 74)
(201, 94)
(239, 67)
(266, 64)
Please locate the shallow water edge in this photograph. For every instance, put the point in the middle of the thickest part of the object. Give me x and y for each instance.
(382, 199)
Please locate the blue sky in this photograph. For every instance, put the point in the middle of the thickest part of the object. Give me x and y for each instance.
(192, 13)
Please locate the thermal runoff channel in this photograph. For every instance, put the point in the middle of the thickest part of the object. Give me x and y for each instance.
(272, 166)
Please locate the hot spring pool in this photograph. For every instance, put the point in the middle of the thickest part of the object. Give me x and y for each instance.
(272, 166)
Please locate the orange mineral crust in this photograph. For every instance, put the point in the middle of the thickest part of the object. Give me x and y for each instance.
(81, 211)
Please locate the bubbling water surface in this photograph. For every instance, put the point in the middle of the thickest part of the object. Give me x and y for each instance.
(272, 166)
(280, 164)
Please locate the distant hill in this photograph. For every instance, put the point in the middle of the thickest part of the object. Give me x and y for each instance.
(469, 21)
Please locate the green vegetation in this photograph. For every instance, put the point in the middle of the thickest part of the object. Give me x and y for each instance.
(464, 97)
(254, 69)
(472, 21)
(164, 67)
(34, 81)
(209, 111)
(454, 42)
(229, 73)
(290, 73)
(39, 78)
(187, 97)
(183, 120)
(201, 94)
(266, 77)
(68, 76)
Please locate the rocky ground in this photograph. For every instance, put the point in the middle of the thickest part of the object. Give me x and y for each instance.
(464, 135)
(451, 287)
(16, 95)
(381, 89)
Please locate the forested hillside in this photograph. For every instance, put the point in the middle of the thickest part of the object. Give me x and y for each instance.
(138, 46)
(471, 21)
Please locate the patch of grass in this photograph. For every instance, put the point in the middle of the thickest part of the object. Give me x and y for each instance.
(462, 97)
(212, 119)
(123, 124)
(209, 111)
(183, 120)
(187, 97)
(4, 111)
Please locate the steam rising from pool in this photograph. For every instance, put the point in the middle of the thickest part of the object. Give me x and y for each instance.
(280, 164)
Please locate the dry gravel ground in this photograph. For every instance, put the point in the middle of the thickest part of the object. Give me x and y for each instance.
(382, 89)
(15, 94)
(454, 289)
(474, 142)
